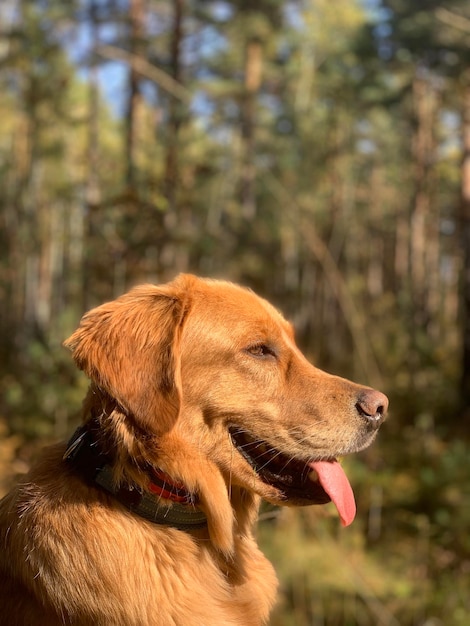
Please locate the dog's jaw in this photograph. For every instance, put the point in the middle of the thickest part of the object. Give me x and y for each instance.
(296, 481)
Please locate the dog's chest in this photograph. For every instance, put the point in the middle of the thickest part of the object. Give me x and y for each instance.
(204, 594)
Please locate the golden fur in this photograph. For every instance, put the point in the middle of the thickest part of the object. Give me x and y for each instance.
(171, 366)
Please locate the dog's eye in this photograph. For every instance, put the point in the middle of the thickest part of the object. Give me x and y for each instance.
(261, 350)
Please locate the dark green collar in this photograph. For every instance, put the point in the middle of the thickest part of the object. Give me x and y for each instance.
(166, 502)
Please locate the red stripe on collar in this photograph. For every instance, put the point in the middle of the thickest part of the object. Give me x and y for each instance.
(163, 485)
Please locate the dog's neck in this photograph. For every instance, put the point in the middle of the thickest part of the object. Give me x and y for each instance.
(162, 500)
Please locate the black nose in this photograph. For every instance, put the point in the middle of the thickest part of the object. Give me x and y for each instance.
(372, 405)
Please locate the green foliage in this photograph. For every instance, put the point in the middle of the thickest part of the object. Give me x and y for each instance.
(317, 159)
(44, 398)
(310, 551)
(405, 558)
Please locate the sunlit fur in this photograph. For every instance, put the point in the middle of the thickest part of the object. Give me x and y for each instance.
(172, 367)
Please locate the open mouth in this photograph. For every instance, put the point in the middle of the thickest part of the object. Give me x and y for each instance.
(299, 482)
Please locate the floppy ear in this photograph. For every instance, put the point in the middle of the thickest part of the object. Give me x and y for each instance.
(131, 348)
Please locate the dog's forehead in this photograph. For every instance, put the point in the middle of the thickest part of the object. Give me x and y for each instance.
(229, 305)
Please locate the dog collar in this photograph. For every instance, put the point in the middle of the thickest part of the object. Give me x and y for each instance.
(84, 456)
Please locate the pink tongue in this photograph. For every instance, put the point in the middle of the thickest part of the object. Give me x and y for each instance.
(335, 483)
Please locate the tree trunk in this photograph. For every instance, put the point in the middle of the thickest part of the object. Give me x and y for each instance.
(423, 147)
(85, 222)
(253, 72)
(465, 231)
(172, 175)
(175, 254)
(136, 28)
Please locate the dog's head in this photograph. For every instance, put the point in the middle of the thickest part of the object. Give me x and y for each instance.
(211, 373)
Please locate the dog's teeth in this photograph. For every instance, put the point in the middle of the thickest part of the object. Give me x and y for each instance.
(313, 476)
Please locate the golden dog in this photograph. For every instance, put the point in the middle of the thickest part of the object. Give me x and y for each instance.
(200, 404)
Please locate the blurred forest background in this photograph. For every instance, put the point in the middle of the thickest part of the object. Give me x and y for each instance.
(315, 150)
